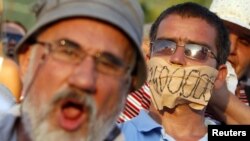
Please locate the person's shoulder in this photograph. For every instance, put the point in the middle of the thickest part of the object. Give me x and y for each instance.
(9, 65)
(127, 126)
(137, 123)
(8, 122)
(141, 128)
(9, 68)
(10, 76)
(129, 130)
(138, 129)
(7, 100)
(8, 117)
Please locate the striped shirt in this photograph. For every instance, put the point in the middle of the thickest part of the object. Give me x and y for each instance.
(136, 101)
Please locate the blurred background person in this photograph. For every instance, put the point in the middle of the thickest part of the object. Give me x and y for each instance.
(6, 97)
(235, 14)
(223, 104)
(10, 81)
(184, 66)
(13, 31)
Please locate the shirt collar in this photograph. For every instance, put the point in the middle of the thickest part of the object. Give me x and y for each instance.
(144, 123)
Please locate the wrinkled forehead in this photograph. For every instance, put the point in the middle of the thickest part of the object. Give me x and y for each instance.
(187, 29)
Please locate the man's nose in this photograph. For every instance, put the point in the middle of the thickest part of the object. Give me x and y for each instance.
(178, 57)
(84, 75)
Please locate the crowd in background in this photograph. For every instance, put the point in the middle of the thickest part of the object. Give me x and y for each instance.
(99, 72)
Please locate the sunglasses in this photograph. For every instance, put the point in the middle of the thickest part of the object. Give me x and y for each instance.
(192, 51)
(12, 37)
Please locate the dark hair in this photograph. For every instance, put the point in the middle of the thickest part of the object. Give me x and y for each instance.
(193, 10)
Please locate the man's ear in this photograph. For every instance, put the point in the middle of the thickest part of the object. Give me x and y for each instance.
(221, 77)
(133, 83)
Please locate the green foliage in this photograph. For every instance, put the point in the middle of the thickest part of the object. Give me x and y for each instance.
(19, 10)
(152, 8)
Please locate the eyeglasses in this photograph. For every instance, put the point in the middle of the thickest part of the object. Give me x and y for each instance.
(192, 51)
(71, 53)
(11, 37)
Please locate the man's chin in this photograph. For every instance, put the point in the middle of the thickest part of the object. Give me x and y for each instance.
(92, 131)
(47, 134)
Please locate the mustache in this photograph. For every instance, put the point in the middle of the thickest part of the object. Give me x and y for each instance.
(72, 93)
(81, 97)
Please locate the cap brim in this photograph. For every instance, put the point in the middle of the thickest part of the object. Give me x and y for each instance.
(243, 28)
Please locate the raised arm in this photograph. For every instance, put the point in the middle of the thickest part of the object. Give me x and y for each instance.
(228, 108)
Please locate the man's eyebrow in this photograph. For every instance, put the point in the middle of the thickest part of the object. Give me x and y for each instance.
(246, 37)
(166, 38)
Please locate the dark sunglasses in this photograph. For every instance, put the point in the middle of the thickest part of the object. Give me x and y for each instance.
(192, 51)
(12, 37)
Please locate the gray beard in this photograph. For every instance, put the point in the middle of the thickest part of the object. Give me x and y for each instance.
(38, 125)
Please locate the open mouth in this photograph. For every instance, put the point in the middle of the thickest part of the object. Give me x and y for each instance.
(72, 114)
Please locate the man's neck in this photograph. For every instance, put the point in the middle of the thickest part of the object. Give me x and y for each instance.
(182, 118)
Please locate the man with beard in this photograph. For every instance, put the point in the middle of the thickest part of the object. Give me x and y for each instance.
(188, 51)
(79, 62)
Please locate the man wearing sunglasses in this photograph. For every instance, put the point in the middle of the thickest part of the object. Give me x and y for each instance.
(10, 81)
(224, 107)
(12, 33)
(188, 51)
(9, 70)
(79, 62)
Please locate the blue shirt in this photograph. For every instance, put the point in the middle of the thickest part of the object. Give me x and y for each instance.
(7, 100)
(144, 128)
(9, 120)
(141, 128)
